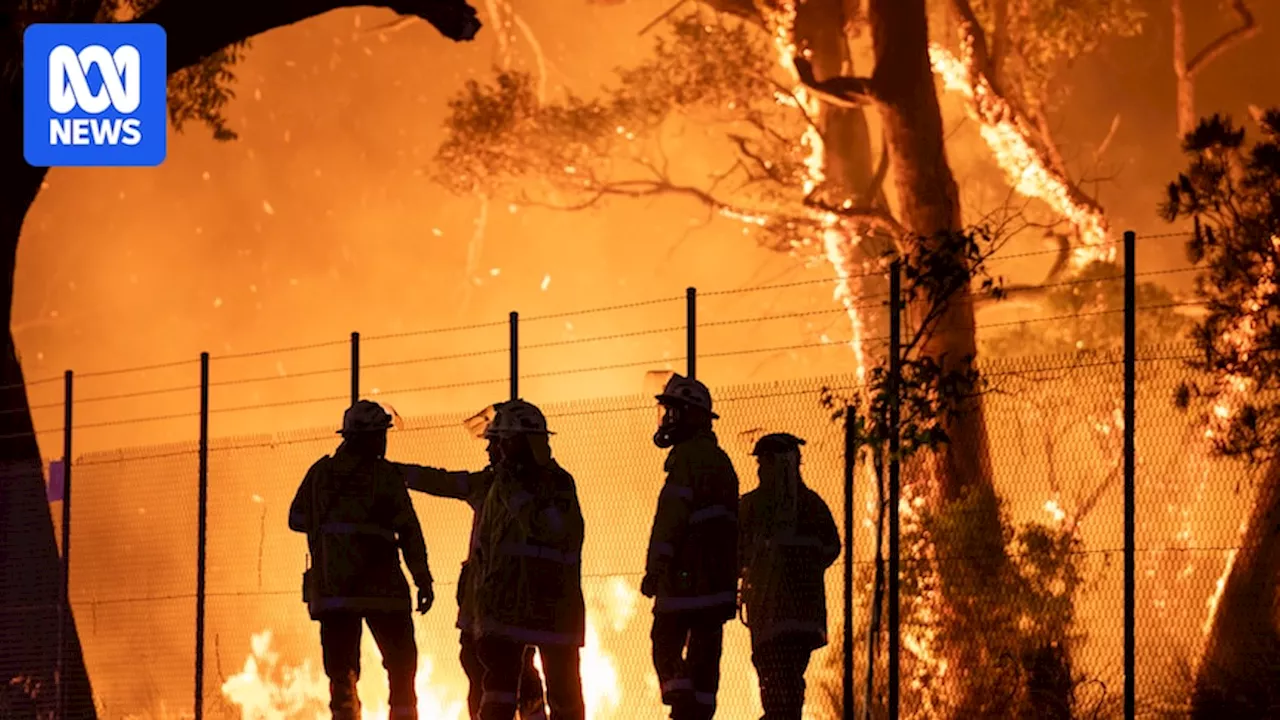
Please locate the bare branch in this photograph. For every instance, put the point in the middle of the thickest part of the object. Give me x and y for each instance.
(841, 91)
(1185, 70)
(1248, 28)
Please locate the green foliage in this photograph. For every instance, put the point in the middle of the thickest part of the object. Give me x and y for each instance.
(1046, 36)
(1232, 192)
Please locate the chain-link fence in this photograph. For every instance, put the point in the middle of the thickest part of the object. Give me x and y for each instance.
(1012, 571)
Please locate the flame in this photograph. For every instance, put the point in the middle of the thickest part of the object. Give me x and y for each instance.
(1241, 337)
(1007, 133)
(267, 689)
(837, 239)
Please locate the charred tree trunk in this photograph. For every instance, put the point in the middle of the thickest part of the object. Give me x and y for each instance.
(1239, 673)
(30, 570)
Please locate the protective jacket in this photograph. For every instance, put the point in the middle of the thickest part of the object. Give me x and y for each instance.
(471, 487)
(358, 519)
(786, 545)
(692, 557)
(528, 575)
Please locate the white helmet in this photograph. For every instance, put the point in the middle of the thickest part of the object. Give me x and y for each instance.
(516, 417)
(365, 416)
(687, 391)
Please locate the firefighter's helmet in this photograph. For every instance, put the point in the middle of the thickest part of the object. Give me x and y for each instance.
(516, 417)
(777, 444)
(364, 417)
(685, 391)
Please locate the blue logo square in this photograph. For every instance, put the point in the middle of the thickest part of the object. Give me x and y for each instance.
(94, 95)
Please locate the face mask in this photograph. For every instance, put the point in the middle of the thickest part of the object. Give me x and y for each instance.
(668, 427)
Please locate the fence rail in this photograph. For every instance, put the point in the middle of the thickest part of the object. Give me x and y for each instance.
(180, 549)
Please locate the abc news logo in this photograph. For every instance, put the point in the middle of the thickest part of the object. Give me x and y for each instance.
(69, 89)
(94, 95)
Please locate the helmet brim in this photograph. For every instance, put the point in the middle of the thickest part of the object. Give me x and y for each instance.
(673, 400)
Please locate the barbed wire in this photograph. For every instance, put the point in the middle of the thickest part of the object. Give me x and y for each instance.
(432, 331)
(535, 318)
(603, 309)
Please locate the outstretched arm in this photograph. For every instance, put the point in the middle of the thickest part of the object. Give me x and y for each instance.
(455, 484)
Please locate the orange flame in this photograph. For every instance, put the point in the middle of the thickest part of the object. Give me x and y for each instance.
(1007, 134)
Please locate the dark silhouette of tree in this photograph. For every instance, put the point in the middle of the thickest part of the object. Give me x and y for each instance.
(204, 41)
(1232, 192)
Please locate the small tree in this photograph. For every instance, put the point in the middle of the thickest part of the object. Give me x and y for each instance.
(1232, 192)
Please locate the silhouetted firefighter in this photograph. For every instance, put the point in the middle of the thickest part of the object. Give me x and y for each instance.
(473, 487)
(528, 576)
(358, 518)
(691, 570)
(787, 540)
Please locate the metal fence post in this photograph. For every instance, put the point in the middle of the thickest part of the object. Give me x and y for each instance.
(895, 489)
(1130, 411)
(355, 368)
(691, 331)
(515, 354)
(202, 534)
(850, 458)
(64, 596)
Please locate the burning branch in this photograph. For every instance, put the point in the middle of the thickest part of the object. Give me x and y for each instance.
(1186, 70)
(1019, 139)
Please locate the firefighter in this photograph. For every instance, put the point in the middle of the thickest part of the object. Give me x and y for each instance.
(787, 540)
(528, 579)
(691, 567)
(473, 488)
(356, 513)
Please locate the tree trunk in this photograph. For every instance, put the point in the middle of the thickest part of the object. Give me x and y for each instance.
(30, 568)
(1239, 673)
(929, 209)
(850, 167)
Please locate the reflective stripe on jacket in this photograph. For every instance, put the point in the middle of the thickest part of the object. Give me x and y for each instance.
(693, 546)
(528, 581)
(784, 565)
(471, 487)
(363, 521)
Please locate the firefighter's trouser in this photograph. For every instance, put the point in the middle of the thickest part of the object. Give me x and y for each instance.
(340, 633)
(780, 664)
(532, 704)
(686, 656)
(503, 660)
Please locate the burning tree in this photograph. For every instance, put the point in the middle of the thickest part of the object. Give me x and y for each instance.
(764, 78)
(204, 42)
(1232, 192)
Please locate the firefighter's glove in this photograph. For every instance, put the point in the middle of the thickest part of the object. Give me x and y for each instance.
(649, 586)
(454, 19)
(426, 598)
